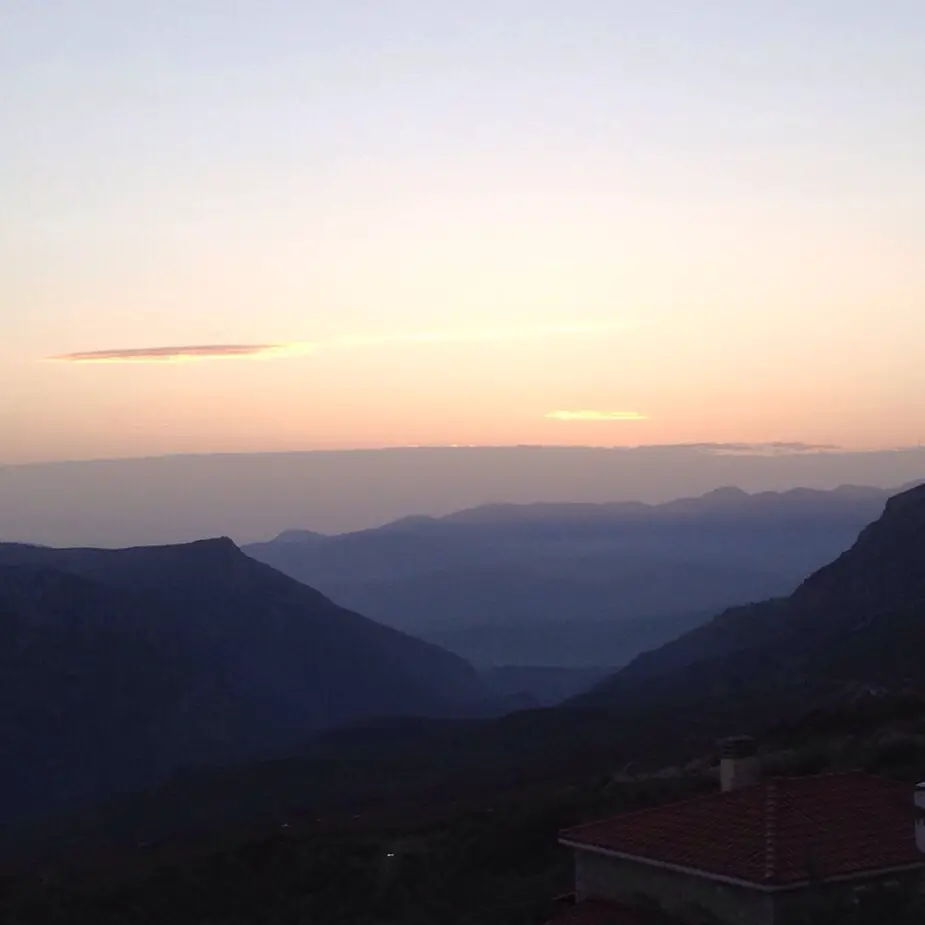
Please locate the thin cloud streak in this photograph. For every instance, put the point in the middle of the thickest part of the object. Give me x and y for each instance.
(183, 354)
(775, 448)
(596, 416)
(268, 351)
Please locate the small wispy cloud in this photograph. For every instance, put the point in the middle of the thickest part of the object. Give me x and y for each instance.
(183, 353)
(775, 448)
(264, 351)
(589, 415)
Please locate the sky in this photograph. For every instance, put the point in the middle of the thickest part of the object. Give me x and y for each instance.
(242, 226)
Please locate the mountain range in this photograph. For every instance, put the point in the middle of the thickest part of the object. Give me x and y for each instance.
(119, 666)
(247, 496)
(854, 628)
(576, 585)
(850, 634)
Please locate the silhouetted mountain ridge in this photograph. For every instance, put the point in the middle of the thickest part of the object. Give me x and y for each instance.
(185, 654)
(492, 582)
(854, 626)
(852, 631)
(721, 502)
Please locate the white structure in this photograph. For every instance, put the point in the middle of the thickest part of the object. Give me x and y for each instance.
(920, 816)
(739, 765)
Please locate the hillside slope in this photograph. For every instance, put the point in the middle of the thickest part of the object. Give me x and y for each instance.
(853, 627)
(120, 665)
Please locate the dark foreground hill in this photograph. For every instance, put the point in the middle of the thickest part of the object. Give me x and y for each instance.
(854, 628)
(576, 584)
(117, 666)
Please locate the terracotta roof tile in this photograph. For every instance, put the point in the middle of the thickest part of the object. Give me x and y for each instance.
(778, 832)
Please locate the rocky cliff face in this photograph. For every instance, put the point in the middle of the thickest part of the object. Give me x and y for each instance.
(857, 624)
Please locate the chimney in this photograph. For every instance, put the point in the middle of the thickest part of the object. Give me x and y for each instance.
(739, 765)
(920, 816)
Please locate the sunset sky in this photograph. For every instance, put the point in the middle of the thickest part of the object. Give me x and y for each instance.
(241, 225)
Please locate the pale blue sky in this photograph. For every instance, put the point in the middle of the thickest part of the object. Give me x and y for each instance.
(726, 198)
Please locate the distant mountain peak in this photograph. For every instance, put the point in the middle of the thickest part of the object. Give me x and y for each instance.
(732, 492)
(908, 501)
(299, 536)
(725, 501)
(215, 544)
(410, 522)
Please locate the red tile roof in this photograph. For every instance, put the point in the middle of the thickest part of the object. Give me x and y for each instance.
(779, 832)
(595, 912)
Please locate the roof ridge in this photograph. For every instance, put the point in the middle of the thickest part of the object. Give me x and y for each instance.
(714, 795)
(770, 829)
(718, 794)
(660, 807)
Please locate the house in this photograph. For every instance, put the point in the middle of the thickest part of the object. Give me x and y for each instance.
(756, 852)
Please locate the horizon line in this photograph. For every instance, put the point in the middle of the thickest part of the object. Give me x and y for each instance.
(782, 448)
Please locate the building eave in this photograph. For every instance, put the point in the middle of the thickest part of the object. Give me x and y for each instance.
(737, 881)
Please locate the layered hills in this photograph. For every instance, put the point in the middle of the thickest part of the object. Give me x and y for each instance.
(576, 585)
(118, 666)
(848, 637)
(854, 628)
